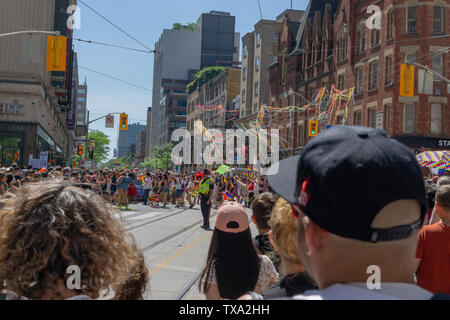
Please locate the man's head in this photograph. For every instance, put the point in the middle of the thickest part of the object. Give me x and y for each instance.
(442, 203)
(262, 207)
(361, 199)
(206, 173)
(443, 180)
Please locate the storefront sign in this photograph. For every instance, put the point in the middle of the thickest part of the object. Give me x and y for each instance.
(11, 108)
(444, 143)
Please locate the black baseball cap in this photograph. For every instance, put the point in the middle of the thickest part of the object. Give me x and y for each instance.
(346, 175)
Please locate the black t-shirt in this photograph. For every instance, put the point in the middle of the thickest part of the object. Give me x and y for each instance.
(289, 286)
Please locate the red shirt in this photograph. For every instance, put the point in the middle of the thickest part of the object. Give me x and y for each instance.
(251, 187)
(434, 251)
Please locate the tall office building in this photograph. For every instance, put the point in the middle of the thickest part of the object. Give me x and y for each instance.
(176, 60)
(33, 101)
(220, 44)
(128, 138)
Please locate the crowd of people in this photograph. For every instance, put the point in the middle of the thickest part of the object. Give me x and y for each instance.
(122, 187)
(352, 217)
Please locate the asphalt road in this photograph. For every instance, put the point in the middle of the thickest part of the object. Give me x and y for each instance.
(174, 246)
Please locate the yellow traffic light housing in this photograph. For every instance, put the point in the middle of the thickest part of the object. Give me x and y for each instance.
(313, 127)
(56, 53)
(80, 150)
(123, 125)
(406, 80)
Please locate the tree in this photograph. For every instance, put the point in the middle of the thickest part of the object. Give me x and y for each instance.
(101, 148)
(161, 158)
(177, 26)
(192, 26)
(203, 76)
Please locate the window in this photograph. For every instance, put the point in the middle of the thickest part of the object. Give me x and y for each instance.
(301, 134)
(437, 65)
(436, 118)
(81, 91)
(245, 50)
(341, 82)
(387, 118)
(276, 38)
(375, 38)
(244, 73)
(390, 17)
(81, 99)
(243, 96)
(257, 64)
(388, 78)
(362, 39)
(359, 80)
(258, 39)
(411, 19)
(372, 118)
(341, 45)
(181, 103)
(408, 118)
(437, 19)
(411, 57)
(357, 118)
(373, 76)
(256, 88)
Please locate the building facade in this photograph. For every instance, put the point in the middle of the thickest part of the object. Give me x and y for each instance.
(370, 60)
(127, 138)
(220, 43)
(140, 146)
(33, 102)
(177, 57)
(260, 51)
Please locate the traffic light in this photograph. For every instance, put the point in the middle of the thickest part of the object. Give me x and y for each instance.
(123, 121)
(406, 80)
(313, 126)
(56, 53)
(80, 150)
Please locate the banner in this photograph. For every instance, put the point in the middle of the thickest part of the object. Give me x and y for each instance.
(222, 169)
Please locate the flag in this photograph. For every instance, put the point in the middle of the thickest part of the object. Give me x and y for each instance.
(249, 170)
(232, 185)
(171, 179)
(227, 195)
(171, 187)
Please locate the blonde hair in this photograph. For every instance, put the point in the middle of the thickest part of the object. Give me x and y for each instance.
(284, 231)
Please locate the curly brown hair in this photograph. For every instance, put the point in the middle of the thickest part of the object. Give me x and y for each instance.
(47, 227)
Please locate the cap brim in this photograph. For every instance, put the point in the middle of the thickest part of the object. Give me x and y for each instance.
(284, 182)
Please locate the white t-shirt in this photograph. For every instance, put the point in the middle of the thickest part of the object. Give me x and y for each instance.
(359, 291)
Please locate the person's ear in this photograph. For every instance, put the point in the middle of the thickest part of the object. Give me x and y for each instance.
(313, 236)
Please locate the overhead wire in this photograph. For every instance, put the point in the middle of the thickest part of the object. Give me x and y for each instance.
(113, 24)
(114, 78)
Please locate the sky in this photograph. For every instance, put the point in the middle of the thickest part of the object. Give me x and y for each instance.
(144, 20)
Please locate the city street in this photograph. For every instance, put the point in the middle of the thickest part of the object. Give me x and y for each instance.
(174, 246)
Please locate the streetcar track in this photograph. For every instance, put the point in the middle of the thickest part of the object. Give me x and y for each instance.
(155, 220)
(160, 241)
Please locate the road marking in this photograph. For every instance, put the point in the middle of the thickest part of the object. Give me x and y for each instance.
(179, 252)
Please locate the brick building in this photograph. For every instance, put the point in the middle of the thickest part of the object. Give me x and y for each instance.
(303, 65)
(370, 59)
(334, 46)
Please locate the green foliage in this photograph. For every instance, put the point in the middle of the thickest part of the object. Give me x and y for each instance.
(202, 77)
(177, 26)
(161, 158)
(101, 149)
(192, 26)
